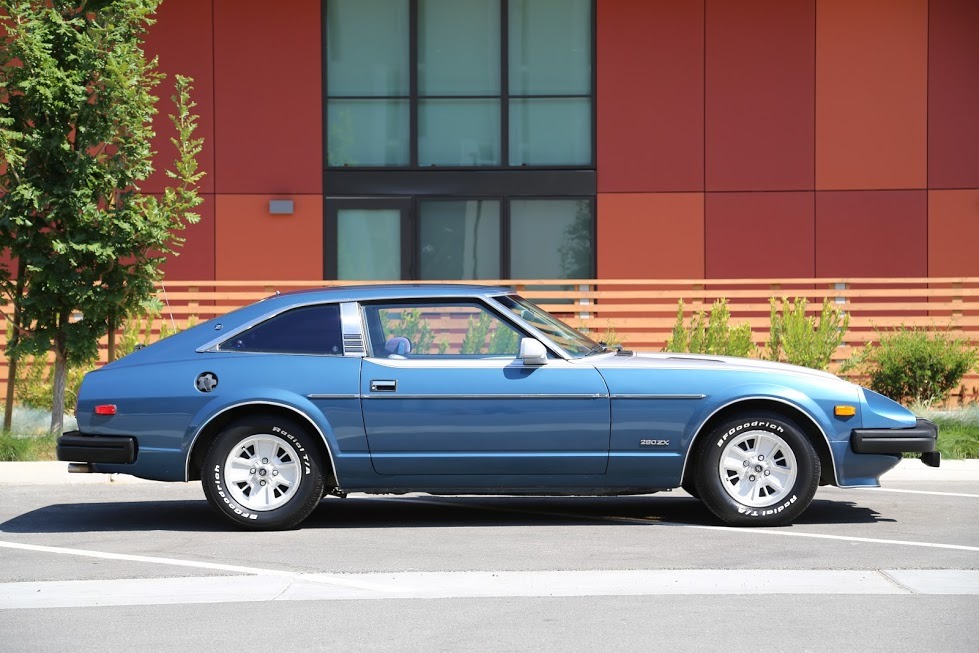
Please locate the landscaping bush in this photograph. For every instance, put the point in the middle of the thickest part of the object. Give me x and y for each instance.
(35, 383)
(710, 334)
(914, 365)
(800, 339)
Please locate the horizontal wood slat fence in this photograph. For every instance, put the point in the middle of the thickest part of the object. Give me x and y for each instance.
(642, 312)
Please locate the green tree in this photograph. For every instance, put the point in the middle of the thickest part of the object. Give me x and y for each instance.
(76, 108)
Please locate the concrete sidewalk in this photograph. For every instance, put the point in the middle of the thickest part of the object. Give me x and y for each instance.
(56, 473)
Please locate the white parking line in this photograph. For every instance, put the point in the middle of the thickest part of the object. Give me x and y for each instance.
(176, 562)
(823, 536)
(484, 584)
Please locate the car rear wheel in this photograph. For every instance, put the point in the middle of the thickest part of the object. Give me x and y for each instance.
(263, 473)
(758, 469)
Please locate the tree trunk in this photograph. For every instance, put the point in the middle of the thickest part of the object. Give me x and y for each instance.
(59, 382)
(8, 406)
(112, 340)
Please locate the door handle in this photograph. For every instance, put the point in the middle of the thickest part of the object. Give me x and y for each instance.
(383, 385)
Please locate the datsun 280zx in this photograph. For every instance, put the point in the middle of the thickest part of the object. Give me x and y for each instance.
(451, 389)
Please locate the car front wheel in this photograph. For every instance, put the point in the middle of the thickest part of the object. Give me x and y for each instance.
(757, 470)
(263, 473)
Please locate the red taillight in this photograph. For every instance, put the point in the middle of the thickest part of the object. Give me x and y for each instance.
(105, 409)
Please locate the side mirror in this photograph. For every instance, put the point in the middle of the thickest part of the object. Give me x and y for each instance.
(532, 352)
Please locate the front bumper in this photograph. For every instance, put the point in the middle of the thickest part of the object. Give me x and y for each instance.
(73, 446)
(921, 438)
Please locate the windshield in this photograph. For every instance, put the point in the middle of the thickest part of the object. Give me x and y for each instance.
(571, 340)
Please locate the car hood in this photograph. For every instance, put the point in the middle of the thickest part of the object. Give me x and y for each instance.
(705, 362)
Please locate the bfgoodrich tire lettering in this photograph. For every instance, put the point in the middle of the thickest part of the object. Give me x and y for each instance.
(758, 469)
(263, 473)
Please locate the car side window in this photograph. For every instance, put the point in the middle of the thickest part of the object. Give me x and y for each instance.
(428, 330)
(306, 330)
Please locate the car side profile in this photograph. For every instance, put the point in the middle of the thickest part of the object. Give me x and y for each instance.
(451, 389)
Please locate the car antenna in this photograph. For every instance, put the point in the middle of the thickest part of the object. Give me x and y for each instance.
(166, 300)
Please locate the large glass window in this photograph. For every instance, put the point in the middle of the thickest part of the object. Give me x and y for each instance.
(368, 82)
(369, 244)
(459, 239)
(459, 83)
(551, 239)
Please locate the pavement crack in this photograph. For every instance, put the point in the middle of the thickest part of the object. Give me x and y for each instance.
(896, 582)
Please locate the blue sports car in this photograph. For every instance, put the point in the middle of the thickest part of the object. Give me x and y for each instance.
(468, 389)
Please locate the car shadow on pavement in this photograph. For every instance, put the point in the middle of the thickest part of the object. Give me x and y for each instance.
(414, 512)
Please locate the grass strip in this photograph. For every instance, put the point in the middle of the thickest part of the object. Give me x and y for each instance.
(20, 447)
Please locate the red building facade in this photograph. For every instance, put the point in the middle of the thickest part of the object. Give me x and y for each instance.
(732, 138)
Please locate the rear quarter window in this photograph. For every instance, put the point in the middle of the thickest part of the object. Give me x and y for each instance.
(306, 330)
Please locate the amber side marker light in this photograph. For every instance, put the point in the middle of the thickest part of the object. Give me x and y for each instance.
(844, 411)
(105, 409)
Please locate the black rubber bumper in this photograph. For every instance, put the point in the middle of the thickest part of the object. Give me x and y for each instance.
(920, 438)
(77, 448)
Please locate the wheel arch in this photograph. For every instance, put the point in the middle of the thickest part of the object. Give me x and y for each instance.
(212, 427)
(810, 427)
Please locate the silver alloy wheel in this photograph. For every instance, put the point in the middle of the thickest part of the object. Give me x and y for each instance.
(262, 472)
(758, 469)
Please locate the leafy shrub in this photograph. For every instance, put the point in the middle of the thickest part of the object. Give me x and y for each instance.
(915, 365)
(710, 334)
(799, 339)
(477, 329)
(504, 341)
(35, 383)
(411, 324)
(609, 337)
(138, 330)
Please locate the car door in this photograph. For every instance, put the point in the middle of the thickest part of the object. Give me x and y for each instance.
(443, 392)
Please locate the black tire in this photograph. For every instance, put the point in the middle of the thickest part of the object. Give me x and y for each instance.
(296, 464)
(753, 494)
(689, 485)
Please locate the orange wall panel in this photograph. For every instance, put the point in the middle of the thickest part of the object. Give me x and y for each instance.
(182, 39)
(760, 235)
(650, 95)
(268, 92)
(871, 94)
(953, 94)
(872, 233)
(252, 244)
(651, 235)
(953, 232)
(760, 111)
(195, 259)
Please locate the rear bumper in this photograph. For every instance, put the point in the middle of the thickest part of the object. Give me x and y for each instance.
(73, 446)
(920, 438)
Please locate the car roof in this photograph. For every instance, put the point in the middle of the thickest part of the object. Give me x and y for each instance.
(369, 292)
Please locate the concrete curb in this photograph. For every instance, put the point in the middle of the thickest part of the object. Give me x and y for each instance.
(56, 473)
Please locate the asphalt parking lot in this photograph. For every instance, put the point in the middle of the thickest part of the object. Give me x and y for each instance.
(149, 565)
